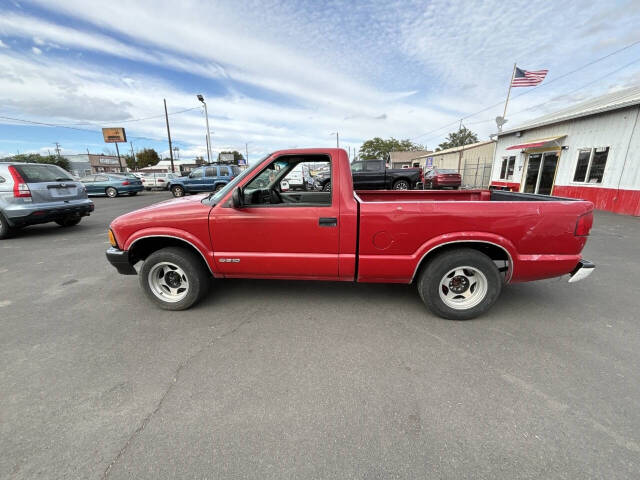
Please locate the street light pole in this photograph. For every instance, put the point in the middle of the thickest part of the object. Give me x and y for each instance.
(206, 116)
(337, 138)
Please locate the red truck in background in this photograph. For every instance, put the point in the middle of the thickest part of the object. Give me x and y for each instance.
(460, 246)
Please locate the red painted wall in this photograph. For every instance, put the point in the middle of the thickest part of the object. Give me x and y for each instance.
(626, 202)
(513, 186)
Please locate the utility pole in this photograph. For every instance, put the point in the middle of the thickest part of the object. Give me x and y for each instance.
(57, 149)
(337, 138)
(166, 116)
(133, 157)
(206, 139)
(246, 151)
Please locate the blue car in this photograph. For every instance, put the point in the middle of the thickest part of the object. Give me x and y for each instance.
(204, 179)
(112, 184)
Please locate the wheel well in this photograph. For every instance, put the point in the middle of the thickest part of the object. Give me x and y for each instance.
(494, 252)
(144, 247)
(401, 178)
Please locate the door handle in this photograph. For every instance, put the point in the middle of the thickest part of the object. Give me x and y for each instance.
(328, 222)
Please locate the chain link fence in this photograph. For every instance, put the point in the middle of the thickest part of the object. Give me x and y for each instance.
(476, 173)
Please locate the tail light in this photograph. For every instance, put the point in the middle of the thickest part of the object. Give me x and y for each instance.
(126, 182)
(160, 180)
(584, 224)
(20, 187)
(420, 174)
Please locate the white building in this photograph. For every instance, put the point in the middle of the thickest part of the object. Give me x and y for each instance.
(589, 151)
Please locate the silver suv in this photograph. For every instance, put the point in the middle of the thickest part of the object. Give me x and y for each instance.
(32, 193)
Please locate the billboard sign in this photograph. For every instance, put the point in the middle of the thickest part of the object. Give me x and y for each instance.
(114, 135)
(227, 157)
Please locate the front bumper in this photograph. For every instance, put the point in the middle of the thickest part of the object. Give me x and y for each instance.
(582, 271)
(120, 259)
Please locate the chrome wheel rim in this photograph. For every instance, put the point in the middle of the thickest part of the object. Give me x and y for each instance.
(178, 192)
(168, 282)
(111, 192)
(462, 288)
(327, 187)
(401, 186)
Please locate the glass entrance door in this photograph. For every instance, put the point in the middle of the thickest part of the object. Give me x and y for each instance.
(541, 172)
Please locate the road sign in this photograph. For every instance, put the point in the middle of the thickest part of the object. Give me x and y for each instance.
(114, 135)
(429, 162)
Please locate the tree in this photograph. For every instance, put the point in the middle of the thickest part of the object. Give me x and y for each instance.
(463, 136)
(380, 148)
(37, 158)
(146, 157)
(236, 156)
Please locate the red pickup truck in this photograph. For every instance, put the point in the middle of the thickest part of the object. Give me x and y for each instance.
(460, 247)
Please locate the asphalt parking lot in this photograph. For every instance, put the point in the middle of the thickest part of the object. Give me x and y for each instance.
(274, 379)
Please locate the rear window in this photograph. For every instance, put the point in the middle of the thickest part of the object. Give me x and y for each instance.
(447, 171)
(38, 173)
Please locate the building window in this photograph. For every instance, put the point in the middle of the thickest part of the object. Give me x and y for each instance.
(591, 164)
(508, 166)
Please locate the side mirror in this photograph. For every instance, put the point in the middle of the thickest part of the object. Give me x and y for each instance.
(236, 198)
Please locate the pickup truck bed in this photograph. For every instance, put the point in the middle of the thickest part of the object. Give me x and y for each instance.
(460, 247)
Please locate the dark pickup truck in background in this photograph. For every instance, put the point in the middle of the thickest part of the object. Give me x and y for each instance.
(374, 175)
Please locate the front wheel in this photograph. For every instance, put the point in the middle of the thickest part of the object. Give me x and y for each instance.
(5, 228)
(401, 185)
(177, 191)
(326, 187)
(111, 192)
(174, 278)
(460, 284)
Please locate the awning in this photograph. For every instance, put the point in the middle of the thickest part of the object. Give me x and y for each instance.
(542, 142)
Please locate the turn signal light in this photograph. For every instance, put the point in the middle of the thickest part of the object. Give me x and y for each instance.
(112, 239)
(584, 224)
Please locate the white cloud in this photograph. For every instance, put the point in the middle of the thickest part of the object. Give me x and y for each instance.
(3, 45)
(36, 50)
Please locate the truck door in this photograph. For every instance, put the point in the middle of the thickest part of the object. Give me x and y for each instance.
(278, 234)
(368, 175)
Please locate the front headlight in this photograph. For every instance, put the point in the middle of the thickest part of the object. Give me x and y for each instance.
(112, 239)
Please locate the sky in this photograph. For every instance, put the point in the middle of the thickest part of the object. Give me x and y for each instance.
(284, 74)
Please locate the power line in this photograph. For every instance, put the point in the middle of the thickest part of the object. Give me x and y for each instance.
(582, 67)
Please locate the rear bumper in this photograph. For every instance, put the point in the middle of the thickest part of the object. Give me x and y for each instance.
(44, 213)
(582, 271)
(120, 260)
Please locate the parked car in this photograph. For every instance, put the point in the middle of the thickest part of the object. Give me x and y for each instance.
(112, 184)
(442, 178)
(211, 178)
(459, 247)
(32, 193)
(158, 180)
(374, 175)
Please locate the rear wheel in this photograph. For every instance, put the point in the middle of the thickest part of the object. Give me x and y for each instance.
(218, 187)
(5, 228)
(401, 185)
(460, 284)
(133, 194)
(111, 192)
(177, 191)
(327, 187)
(69, 221)
(174, 278)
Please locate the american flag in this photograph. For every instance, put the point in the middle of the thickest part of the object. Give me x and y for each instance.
(525, 78)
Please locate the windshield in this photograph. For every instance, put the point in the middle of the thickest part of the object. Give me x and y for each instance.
(214, 199)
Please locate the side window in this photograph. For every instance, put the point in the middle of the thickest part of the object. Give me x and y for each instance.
(102, 178)
(507, 168)
(224, 171)
(87, 179)
(374, 166)
(291, 181)
(357, 166)
(210, 172)
(591, 164)
(196, 173)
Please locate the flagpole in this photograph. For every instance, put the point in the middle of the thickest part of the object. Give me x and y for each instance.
(509, 92)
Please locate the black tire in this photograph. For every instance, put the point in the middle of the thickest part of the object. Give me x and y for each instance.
(69, 221)
(191, 265)
(218, 187)
(431, 279)
(326, 187)
(5, 229)
(111, 192)
(177, 191)
(401, 184)
(133, 194)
